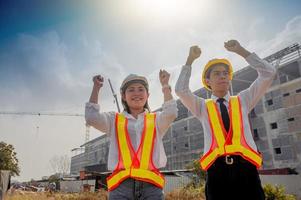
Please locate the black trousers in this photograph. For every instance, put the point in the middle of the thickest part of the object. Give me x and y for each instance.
(232, 182)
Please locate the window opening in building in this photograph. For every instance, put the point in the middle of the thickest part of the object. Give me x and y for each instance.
(274, 125)
(270, 102)
(256, 136)
(277, 150)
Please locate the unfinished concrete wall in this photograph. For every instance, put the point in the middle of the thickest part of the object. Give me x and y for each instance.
(76, 186)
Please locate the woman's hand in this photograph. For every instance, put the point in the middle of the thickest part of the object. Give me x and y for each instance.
(164, 80)
(98, 81)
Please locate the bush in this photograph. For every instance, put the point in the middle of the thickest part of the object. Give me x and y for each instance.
(276, 193)
(22, 195)
(186, 193)
(198, 178)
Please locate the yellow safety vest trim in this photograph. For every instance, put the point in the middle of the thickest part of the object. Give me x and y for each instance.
(210, 158)
(143, 172)
(124, 149)
(148, 175)
(118, 177)
(236, 146)
(148, 141)
(216, 125)
(237, 130)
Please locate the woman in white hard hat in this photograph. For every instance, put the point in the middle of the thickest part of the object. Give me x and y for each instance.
(136, 149)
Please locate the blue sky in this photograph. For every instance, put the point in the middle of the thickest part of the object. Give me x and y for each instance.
(49, 50)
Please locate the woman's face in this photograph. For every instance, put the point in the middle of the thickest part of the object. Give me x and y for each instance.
(135, 96)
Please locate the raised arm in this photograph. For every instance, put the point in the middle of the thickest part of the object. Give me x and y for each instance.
(100, 121)
(235, 47)
(98, 83)
(169, 107)
(191, 101)
(166, 89)
(265, 70)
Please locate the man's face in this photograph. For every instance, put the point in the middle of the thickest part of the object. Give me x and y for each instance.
(219, 79)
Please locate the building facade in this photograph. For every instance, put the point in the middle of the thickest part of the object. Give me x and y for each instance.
(93, 157)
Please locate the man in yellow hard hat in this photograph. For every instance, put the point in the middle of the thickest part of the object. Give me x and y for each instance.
(230, 155)
(211, 65)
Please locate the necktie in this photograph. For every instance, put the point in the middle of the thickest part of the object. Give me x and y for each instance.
(224, 113)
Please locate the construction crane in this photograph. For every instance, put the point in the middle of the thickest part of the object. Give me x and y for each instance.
(40, 113)
(87, 132)
(114, 95)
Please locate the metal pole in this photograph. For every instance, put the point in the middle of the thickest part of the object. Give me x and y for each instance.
(114, 95)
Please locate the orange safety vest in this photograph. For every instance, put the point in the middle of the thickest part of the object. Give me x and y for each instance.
(137, 165)
(233, 143)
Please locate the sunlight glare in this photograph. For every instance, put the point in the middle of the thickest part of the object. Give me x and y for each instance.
(162, 9)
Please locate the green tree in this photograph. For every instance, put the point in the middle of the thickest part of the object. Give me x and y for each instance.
(198, 174)
(276, 192)
(8, 159)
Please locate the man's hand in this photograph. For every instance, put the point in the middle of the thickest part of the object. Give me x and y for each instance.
(194, 53)
(98, 81)
(234, 46)
(164, 77)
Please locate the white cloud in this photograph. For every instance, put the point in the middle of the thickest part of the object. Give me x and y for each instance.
(289, 35)
(45, 74)
(213, 45)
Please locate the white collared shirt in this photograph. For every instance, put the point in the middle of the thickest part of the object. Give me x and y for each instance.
(105, 122)
(226, 102)
(249, 97)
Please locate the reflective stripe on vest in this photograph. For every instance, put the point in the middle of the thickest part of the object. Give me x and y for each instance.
(232, 144)
(138, 165)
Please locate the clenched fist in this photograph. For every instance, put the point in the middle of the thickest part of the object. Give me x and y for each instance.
(233, 45)
(98, 81)
(194, 53)
(164, 77)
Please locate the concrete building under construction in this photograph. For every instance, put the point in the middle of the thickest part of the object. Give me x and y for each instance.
(275, 121)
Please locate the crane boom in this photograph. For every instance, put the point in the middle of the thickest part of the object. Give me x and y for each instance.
(41, 113)
(114, 95)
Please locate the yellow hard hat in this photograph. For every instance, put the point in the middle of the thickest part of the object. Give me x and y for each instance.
(212, 63)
